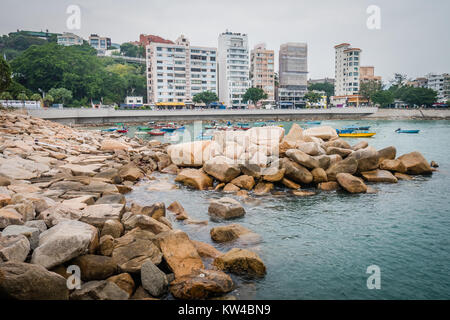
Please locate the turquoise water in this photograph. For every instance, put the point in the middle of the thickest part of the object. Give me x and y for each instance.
(319, 247)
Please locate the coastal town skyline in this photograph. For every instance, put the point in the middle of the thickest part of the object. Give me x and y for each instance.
(268, 28)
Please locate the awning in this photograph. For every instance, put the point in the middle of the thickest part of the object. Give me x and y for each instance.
(170, 104)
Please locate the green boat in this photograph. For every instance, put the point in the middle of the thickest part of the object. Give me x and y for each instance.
(144, 128)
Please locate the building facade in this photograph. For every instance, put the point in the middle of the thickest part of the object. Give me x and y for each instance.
(368, 74)
(439, 83)
(262, 73)
(293, 74)
(347, 70)
(176, 72)
(233, 70)
(101, 44)
(69, 39)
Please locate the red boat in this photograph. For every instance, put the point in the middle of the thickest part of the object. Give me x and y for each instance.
(156, 133)
(122, 130)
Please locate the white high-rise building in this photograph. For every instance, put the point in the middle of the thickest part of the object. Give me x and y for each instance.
(440, 84)
(347, 61)
(176, 72)
(233, 59)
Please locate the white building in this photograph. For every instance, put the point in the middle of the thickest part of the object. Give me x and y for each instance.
(440, 84)
(347, 62)
(134, 100)
(69, 39)
(233, 59)
(178, 71)
(293, 74)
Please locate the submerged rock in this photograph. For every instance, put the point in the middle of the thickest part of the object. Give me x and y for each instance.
(379, 176)
(242, 262)
(226, 208)
(194, 178)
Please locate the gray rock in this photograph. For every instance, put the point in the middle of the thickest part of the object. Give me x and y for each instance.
(153, 279)
(67, 240)
(115, 198)
(31, 233)
(39, 224)
(226, 208)
(99, 290)
(58, 213)
(14, 248)
(27, 281)
(97, 214)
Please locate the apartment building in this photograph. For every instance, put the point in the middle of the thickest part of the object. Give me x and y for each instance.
(176, 72)
(69, 39)
(101, 44)
(233, 71)
(347, 70)
(262, 73)
(439, 83)
(293, 72)
(368, 74)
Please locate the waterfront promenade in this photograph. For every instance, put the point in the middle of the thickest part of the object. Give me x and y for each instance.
(107, 116)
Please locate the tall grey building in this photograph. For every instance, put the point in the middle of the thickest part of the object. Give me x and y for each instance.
(293, 72)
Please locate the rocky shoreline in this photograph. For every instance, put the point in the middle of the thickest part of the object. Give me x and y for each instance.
(68, 231)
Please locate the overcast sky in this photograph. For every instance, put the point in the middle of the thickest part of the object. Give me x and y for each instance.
(413, 38)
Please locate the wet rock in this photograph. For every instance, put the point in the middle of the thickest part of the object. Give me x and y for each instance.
(111, 227)
(328, 186)
(229, 187)
(296, 172)
(303, 193)
(388, 153)
(201, 285)
(124, 281)
(434, 164)
(206, 250)
(156, 210)
(319, 175)
(9, 216)
(135, 248)
(379, 176)
(179, 253)
(99, 290)
(351, 183)
(32, 234)
(95, 267)
(228, 233)
(393, 165)
(244, 181)
(63, 242)
(402, 176)
(171, 169)
(222, 168)
(116, 198)
(242, 262)
(14, 248)
(226, 208)
(179, 211)
(251, 169)
(25, 281)
(263, 188)
(349, 165)
(153, 279)
(302, 158)
(123, 189)
(290, 184)
(274, 174)
(194, 178)
(415, 163)
(97, 214)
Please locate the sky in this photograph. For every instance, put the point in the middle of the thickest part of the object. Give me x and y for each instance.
(412, 38)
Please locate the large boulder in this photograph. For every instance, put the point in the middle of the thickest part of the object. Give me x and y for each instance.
(130, 172)
(63, 242)
(99, 290)
(273, 174)
(349, 165)
(14, 248)
(263, 188)
(296, 172)
(97, 214)
(10, 216)
(135, 248)
(114, 228)
(226, 208)
(189, 154)
(206, 250)
(179, 253)
(242, 262)
(94, 267)
(32, 234)
(228, 233)
(244, 182)
(388, 153)
(194, 178)
(415, 163)
(131, 221)
(379, 176)
(393, 165)
(59, 212)
(322, 132)
(367, 159)
(328, 186)
(201, 285)
(25, 281)
(17, 168)
(319, 175)
(351, 183)
(339, 151)
(338, 143)
(302, 158)
(222, 168)
(153, 279)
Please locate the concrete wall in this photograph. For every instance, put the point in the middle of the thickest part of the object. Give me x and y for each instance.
(106, 116)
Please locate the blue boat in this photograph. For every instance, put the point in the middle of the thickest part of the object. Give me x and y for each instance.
(181, 128)
(355, 127)
(406, 131)
(338, 131)
(313, 122)
(168, 129)
(109, 129)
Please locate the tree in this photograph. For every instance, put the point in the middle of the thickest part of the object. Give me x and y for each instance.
(254, 95)
(419, 96)
(383, 98)
(206, 97)
(313, 97)
(48, 99)
(5, 75)
(22, 96)
(60, 95)
(6, 96)
(368, 88)
(132, 50)
(326, 86)
(35, 97)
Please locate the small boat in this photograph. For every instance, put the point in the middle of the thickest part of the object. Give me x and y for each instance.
(156, 133)
(344, 130)
(180, 128)
(224, 128)
(355, 127)
(123, 130)
(261, 124)
(144, 128)
(313, 122)
(406, 131)
(168, 129)
(109, 129)
(242, 124)
(356, 135)
(210, 127)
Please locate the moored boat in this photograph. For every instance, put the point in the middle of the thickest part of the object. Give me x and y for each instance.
(156, 133)
(122, 130)
(168, 129)
(406, 131)
(144, 128)
(313, 122)
(356, 134)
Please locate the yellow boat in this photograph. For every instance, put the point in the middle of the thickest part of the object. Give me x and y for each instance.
(357, 135)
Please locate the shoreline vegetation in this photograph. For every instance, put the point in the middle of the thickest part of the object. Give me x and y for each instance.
(63, 205)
